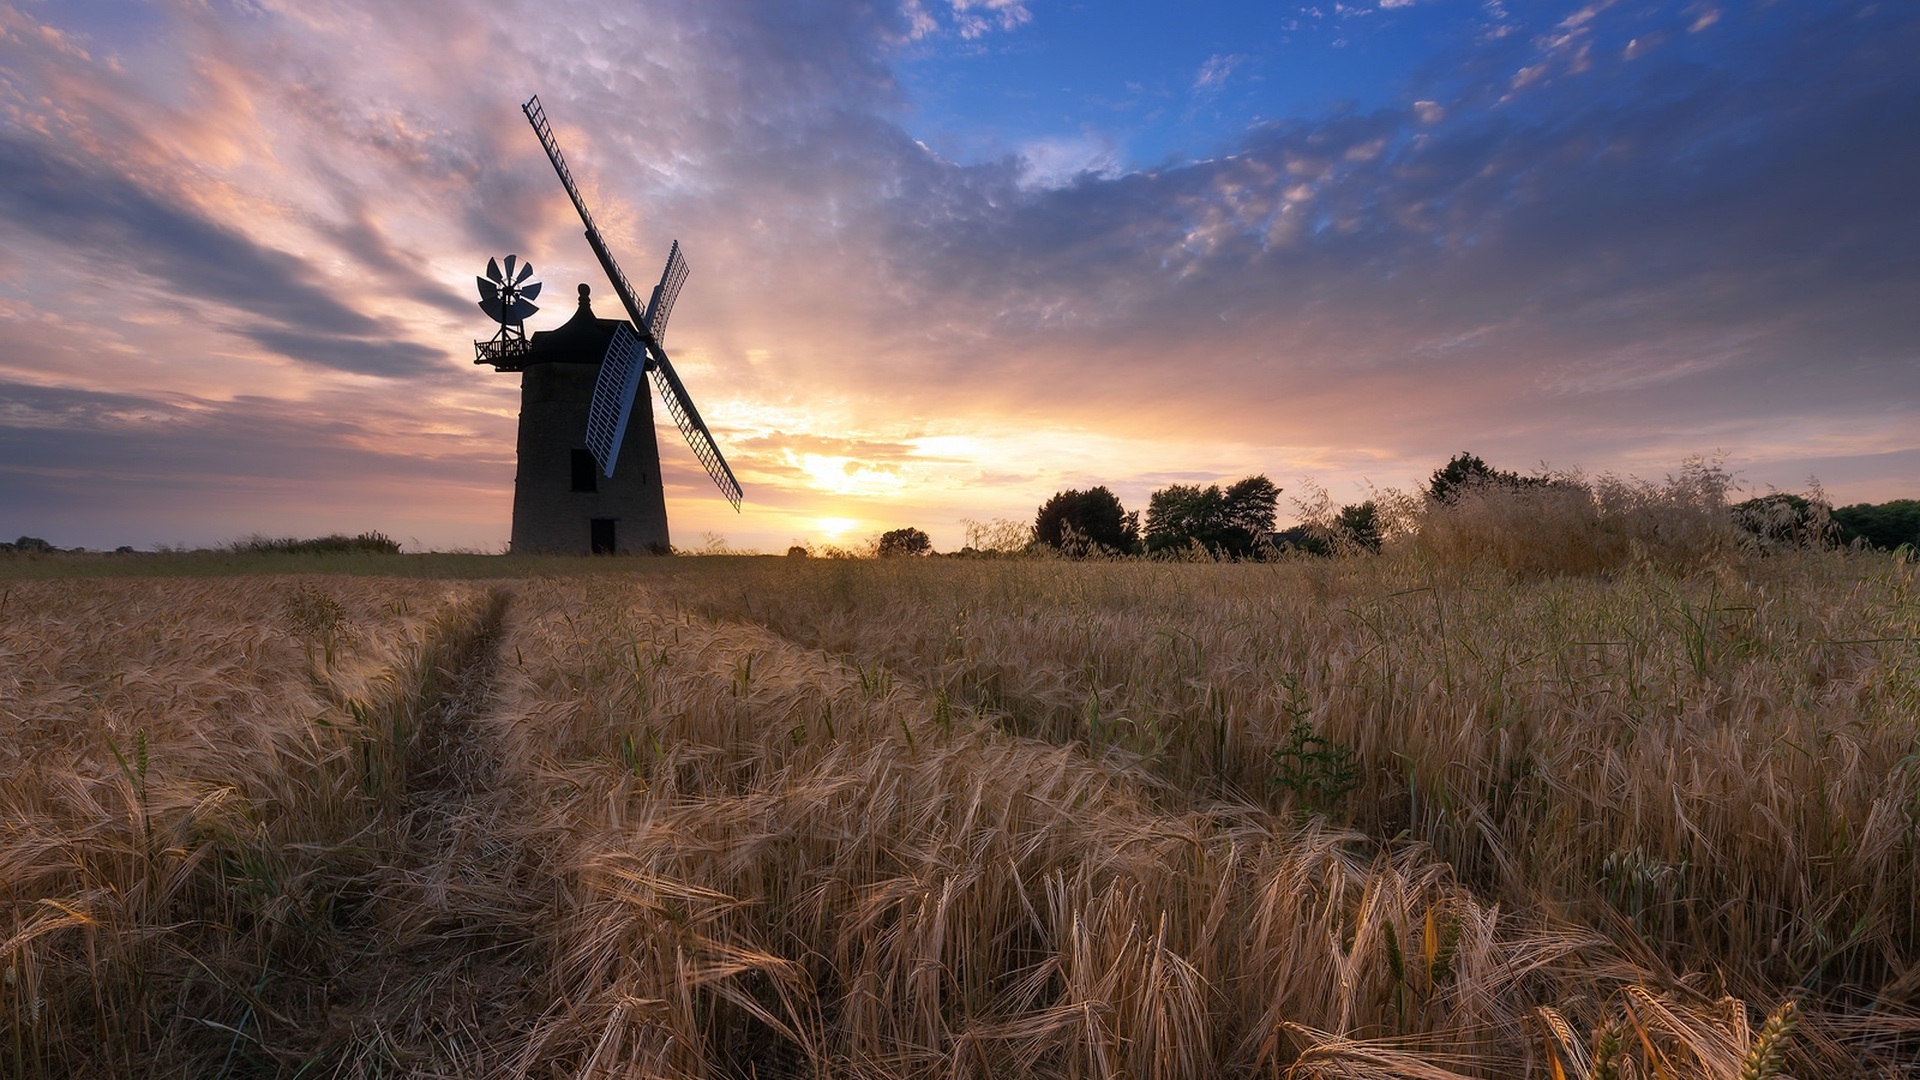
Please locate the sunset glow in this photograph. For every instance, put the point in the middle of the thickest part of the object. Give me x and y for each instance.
(949, 257)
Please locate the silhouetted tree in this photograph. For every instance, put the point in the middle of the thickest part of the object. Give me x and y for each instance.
(1885, 525)
(1230, 522)
(905, 542)
(1783, 519)
(1182, 513)
(1467, 471)
(1079, 522)
(1359, 524)
(1249, 508)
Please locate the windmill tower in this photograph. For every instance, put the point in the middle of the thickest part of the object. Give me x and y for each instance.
(582, 412)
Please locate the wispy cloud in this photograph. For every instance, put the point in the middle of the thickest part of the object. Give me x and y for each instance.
(976, 18)
(1213, 74)
(164, 252)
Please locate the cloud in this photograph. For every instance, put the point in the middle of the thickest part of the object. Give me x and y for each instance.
(1062, 160)
(979, 17)
(145, 243)
(1213, 74)
(1642, 252)
(104, 469)
(1653, 238)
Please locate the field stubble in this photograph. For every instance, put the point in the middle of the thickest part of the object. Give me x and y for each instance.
(806, 817)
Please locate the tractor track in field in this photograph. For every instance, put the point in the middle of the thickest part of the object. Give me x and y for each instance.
(437, 962)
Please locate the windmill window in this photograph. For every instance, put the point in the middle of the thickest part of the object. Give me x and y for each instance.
(585, 471)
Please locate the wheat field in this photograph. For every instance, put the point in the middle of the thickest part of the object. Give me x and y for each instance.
(1384, 816)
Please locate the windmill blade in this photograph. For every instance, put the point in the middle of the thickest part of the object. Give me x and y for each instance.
(530, 290)
(679, 405)
(621, 286)
(687, 419)
(660, 308)
(493, 272)
(521, 309)
(508, 267)
(488, 290)
(526, 271)
(495, 310)
(613, 395)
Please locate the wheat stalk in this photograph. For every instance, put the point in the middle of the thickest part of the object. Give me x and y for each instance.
(1769, 1050)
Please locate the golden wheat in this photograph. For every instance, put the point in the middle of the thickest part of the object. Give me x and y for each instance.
(795, 817)
(184, 767)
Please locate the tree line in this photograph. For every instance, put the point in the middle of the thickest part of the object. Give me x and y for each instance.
(1237, 521)
(1233, 521)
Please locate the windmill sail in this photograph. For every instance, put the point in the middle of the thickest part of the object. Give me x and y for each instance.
(679, 405)
(660, 307)
(613, 394)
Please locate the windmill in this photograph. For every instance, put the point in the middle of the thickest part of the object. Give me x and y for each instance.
(507, 298)
(589, 466)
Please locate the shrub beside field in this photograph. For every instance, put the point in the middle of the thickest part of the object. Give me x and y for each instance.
(1381, 816)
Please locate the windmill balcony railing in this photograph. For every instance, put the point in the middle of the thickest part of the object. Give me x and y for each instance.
(503, 353)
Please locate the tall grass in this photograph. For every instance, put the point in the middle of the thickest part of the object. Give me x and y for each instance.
(1385, 816)
(1567, 523)
(786, 865)
(188, 774)
(1721, 764)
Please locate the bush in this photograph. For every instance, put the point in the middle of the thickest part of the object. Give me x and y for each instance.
(29, 545)
(367, 543)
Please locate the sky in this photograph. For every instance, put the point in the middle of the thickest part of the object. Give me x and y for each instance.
(950, 256)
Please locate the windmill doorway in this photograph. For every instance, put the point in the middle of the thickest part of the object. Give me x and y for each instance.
(602, 535)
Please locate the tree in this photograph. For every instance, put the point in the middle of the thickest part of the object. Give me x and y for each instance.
(1783, 519)
(1885, 525)
(1180, 514)
(1359, 524)
(904, 542)
(1249, 508)
(1466, 472)
(1083, 522)
(1230, 522)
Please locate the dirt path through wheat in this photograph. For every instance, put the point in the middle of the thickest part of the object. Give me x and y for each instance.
(442, 962)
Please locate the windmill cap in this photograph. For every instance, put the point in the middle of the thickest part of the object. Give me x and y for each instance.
(580, 340)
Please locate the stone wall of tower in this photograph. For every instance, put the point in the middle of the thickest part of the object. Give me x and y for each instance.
(548, 515)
